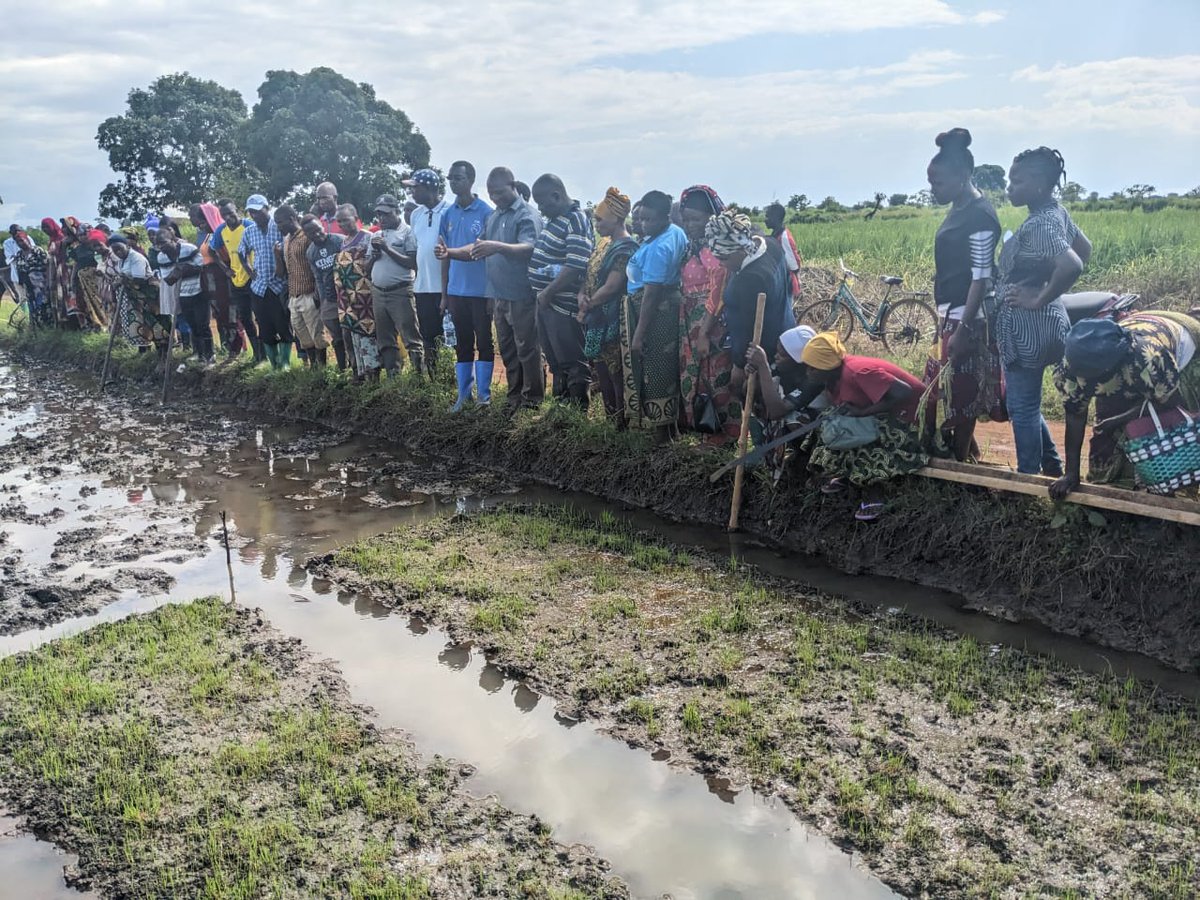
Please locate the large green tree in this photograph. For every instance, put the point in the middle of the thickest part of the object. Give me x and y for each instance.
(180, 136)
(990, 177)
(322, 126)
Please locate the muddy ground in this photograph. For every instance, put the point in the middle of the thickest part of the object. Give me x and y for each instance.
(1127, 583)
(195, 751)
(957, 769)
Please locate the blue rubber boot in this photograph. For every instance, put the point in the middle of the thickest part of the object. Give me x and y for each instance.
(483, 382)
(464, 372)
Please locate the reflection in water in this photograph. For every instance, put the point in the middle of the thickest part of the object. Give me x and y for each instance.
(31, 869)
(491, 679)
(456, 656)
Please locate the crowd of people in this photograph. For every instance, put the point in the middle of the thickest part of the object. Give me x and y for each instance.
(650, 304)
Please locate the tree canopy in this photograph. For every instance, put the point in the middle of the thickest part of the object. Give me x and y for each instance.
(321, 126)
(178, 137)
(990, 177)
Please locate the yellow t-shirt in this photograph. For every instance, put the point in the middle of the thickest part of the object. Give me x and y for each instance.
(231, 239)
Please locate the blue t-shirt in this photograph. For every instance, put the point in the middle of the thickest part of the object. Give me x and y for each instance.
(461, 227)
(658, 261)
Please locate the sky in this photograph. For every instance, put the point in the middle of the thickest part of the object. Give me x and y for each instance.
(760, 100)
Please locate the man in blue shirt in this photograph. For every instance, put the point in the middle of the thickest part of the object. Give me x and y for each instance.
(509, 237)
(257, 254)
(464, 285)
(556, 271)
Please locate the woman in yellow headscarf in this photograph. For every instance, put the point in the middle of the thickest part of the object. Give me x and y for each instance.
(858, 387)
(600, 299)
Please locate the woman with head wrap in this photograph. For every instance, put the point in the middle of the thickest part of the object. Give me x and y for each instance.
(34, 268)
(857, 387)
(705, 363)
(1037, 264)
(136, 293)
(61, 294)
(755, 266)
(965, 380)
(650, 321)
(1149, 357)
(780, 391)
(87, 279)
(600, 299)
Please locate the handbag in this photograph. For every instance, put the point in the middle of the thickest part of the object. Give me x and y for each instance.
(704, 414)
(1164, 450)
(841, 432)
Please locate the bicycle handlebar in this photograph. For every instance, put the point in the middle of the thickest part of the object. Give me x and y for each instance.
(846, 271)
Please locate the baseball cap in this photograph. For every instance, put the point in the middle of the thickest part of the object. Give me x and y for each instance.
(423, 176)
(387, 201)
(257, 201)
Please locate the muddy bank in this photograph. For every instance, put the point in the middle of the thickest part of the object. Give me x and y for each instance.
(1128, 583)
(956, 769)
(196, 751)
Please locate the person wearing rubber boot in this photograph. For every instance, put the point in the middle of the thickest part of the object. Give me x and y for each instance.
(556, 271)
(257, 252)
(392, 266)
(464, 286)
(322, 254)
(509, 238)
(305, 315)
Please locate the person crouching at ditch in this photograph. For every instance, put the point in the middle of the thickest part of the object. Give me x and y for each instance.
(781, 391)
(870, 435)
(392, 267)
(304, 313)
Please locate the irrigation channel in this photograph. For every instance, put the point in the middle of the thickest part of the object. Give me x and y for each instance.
(115, 508)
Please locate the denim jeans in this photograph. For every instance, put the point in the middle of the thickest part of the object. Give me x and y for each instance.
(1036, 452)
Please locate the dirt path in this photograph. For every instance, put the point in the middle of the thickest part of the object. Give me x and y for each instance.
(195, 751)
(956, 769)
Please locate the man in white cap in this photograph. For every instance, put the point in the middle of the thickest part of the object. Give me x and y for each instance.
(426, 221)
(782, 388)
(257, 253)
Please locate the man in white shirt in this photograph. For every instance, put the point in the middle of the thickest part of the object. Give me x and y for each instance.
(11, 278)
(426, 221)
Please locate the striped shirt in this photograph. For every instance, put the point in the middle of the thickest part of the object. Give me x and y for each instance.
(565, 242)
(300, 279)
(1033, 338)
(259, 250)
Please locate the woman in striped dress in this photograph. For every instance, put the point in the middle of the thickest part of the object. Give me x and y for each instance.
(1038, 265)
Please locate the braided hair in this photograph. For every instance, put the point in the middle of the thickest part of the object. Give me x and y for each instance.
(1047, 164)
(953, 151)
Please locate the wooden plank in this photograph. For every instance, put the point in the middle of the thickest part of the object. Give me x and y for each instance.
(998, 480)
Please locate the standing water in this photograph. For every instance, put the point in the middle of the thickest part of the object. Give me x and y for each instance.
(93, 479)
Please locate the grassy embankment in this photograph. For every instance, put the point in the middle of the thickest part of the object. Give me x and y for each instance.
(956, 769)
(1122, 581)
(193, 752)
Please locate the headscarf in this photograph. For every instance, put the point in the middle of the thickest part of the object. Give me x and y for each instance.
(50, 227)
(614, 204)
(703, 198)
(151, 223)
(794, 340)
(728, 232)
(95, 234)
(211, 215)
(1096, 347)
(824, 352)
(72, 224)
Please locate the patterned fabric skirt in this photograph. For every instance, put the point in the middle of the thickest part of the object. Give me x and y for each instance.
(897, 452)
(974, 389)
(139, 319)
(91, 303)
(652, 378)
(706, 368)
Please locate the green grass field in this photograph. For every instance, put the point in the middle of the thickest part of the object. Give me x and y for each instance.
(1154, 254)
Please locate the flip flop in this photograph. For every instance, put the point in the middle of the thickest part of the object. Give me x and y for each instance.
(869, 512)
(833, 486)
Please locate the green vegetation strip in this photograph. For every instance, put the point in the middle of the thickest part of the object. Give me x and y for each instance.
(958, 769)
(192, 752)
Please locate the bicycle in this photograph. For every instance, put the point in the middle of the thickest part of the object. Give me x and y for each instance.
(901, 324)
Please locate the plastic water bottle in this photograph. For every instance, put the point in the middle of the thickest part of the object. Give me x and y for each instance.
(449, 335)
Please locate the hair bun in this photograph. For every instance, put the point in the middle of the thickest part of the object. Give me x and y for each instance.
(955, 138)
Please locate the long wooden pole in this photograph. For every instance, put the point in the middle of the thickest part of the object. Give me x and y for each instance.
(167, 362)
(735, 507)
(112, 336)
(1093, 495)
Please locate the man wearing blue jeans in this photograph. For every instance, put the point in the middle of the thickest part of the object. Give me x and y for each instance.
(1036, 452)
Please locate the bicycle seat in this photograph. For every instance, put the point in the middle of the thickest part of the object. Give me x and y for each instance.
(893, 280)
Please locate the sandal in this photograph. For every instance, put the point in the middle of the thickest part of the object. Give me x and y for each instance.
(869, 512)
(834, 486)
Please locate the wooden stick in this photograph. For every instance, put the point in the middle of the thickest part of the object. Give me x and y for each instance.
(735, 507)
(112, 336)
(167, 361)
(1114, 499)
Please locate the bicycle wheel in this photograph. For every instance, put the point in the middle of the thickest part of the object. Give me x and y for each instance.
(908, 324)
(822, 316)
(19, 318)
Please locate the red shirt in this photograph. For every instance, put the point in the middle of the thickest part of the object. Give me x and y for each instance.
(865, 380)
